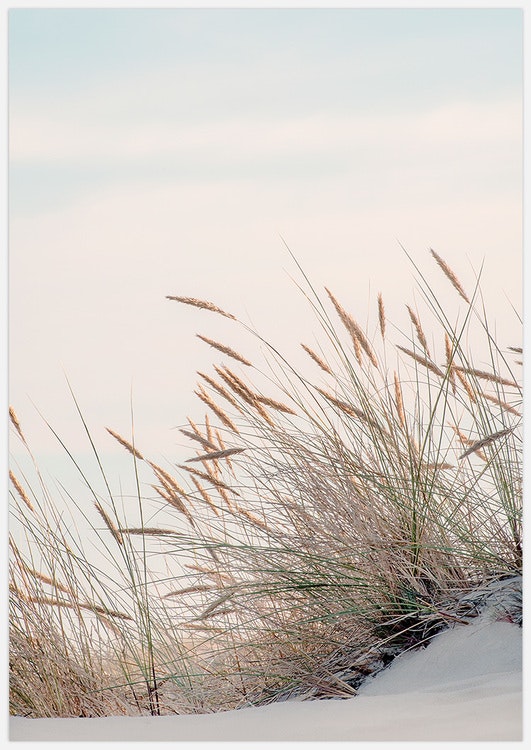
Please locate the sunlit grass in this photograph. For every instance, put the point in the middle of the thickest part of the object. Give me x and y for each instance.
(328, 517)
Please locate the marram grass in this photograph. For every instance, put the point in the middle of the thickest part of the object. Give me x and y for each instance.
(327, 518)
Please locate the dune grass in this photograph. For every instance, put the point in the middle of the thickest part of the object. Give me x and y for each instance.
(328, 518)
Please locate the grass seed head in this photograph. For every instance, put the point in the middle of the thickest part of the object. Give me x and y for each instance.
(450, 275)
(225, 350)
(21, 492)
(202, 304)
(126, 444)
(317, 359)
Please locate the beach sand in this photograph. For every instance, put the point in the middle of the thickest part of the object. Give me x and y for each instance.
(465, 686)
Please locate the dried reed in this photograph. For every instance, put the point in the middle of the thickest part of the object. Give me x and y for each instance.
(381, 315)
(418, 328)
(490, 376)
(428, 364)
(356, 333)
(464, 382)
(399, 401)
(206, 497)
(218, 411)
(197, 436)
(109, 523)
(126, 444)
(450, 275)
(317, 359)
(221, 390)
(225, 350)
(21, 492)
(208, 477)
(216, 455)
(278, 405)
(16, 424)
(488, 440)
(202, 304)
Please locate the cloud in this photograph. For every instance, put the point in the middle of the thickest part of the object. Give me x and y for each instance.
(466, 131)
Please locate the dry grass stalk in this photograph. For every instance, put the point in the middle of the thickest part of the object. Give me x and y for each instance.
(219, 601)
(467, 441)
(20, 490)
(188, 590)
(227, 458)
(363, 340)
(225, 497)
(195, 428)
(218, 411)
(450, 275)
(422, 361)
(217, 613)
(109, 624)
(151, 531)
(440, 466)
(263, 413)
(16, 424)
(242, 390)
(466, 385)
(486, 441)
(202, 304)
(215, 575)
(357, 351)
(279, 406)
(381, 314)
(110, 525)
(126, 444)
(216, 455)
(449, 352)
(77, 605)
(253, 518)
(206, 497)
(346, 319)
(418, 328)
(399, 401)
(221, 390)
(356, 333)
(46, 579)
(174, 501)
(209, 478)
(204, 628)
(236, 384)
(105, 612)
(491, 377)
(461, 435)
(352, 411)
(225, 350)
(209, 430)
(167, 480)
(503, 404)
(200, 439)
(317, 359)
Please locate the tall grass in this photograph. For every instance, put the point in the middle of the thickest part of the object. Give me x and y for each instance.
(328, 517)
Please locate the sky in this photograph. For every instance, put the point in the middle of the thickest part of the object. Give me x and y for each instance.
(178, 151)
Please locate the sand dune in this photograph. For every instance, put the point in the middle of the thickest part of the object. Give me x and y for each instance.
(467, 685)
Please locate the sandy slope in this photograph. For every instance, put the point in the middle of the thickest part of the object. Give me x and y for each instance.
(467, 685)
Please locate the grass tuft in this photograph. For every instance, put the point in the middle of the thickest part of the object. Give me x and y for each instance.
(327, 529)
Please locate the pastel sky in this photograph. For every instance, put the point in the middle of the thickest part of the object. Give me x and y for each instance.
(157, 152)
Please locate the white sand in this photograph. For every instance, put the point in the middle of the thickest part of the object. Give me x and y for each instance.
(467, 685)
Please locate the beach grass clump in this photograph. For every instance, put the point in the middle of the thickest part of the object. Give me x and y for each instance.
(331, 515)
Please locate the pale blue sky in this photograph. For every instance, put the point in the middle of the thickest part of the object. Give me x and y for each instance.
(163, 152)
(257, 65)
(446, 52)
